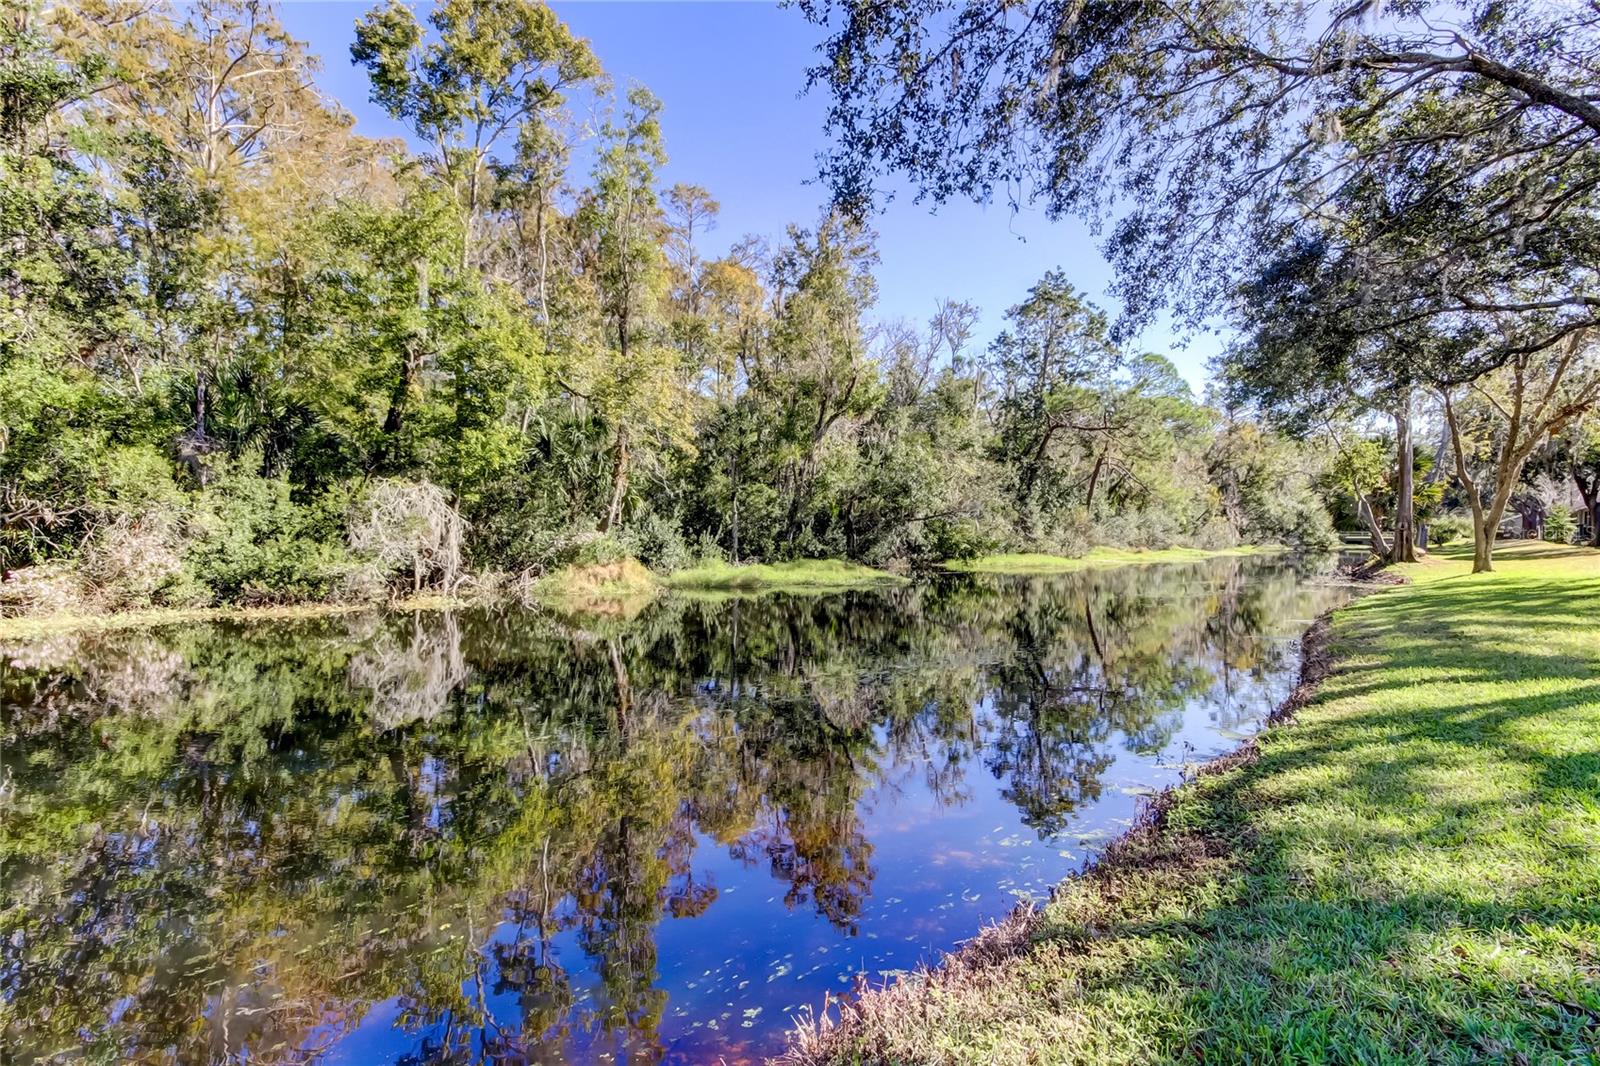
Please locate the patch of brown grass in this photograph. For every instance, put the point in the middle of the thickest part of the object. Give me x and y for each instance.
(622, 588)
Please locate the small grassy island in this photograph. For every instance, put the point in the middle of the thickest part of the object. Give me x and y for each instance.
(1409, 870)
(800, 575)
(1039, 563)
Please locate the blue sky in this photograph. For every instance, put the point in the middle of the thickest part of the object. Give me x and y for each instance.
(735, 121)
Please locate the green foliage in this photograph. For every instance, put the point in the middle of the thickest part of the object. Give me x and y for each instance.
(1266, 486)
(489, 69)
(1559, 526)
(1449, 529)
(239, 368)
(656, 541)
(249, 542)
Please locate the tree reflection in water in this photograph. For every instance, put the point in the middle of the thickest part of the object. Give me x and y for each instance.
(453, 838)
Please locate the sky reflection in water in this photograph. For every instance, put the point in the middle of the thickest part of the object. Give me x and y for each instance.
(496, 836)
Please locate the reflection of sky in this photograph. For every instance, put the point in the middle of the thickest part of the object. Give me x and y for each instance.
(737, 974)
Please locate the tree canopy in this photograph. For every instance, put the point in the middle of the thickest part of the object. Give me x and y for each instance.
(248, 354)
(1381, 200)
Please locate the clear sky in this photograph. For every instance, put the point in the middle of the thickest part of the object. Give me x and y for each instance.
(730, 76)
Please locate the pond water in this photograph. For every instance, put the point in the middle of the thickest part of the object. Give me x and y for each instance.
(498, 836)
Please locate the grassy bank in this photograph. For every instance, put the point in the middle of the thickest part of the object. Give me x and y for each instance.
(30, 626)
(621, 588)
(1408, 872)
(1035, 563)
(801, 575)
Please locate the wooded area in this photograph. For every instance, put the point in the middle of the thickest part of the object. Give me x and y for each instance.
(1394, 204)
(956, 608)
(249, 355)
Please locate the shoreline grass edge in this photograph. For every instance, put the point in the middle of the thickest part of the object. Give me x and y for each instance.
(1040, 563)
(1407, 868)
(557, 589)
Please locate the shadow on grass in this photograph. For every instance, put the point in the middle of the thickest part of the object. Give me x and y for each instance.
(1415, 869)
(1409, 874)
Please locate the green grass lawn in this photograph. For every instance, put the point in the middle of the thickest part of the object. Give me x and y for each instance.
(1410, 872)
(801, 575)
(1036, 563)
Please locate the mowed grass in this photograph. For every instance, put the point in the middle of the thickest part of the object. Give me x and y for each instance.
(1036, 563)
(801, 575)
(1408, 873)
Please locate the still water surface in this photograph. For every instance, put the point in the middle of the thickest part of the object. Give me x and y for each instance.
(500, 837)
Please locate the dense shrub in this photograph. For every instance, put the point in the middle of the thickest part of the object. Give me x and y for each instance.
(1559, 526)
(657, 543)
(962, 538)
(249, 541)
(410, 531)
(1448, 529)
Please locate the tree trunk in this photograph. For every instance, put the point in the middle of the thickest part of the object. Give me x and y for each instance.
(1482, 534)
(1482, 549)
(1094, 479)
(1404, 547)
(200, 402)
(410, 373)
(1380, 547)
(619, 482)
(734, 478)
(470, 214)
(1030, 472)
(544, 268)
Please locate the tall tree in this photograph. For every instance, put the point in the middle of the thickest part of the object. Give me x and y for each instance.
(1534, 396)
(819, 374)
(489, 67)
(1200, 121)
(214, 130)
(635, 388)
(1057, 347)
(1453, 174)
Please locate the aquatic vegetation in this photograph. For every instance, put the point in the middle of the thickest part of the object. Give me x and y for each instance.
(800, 575)
(623, 587)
